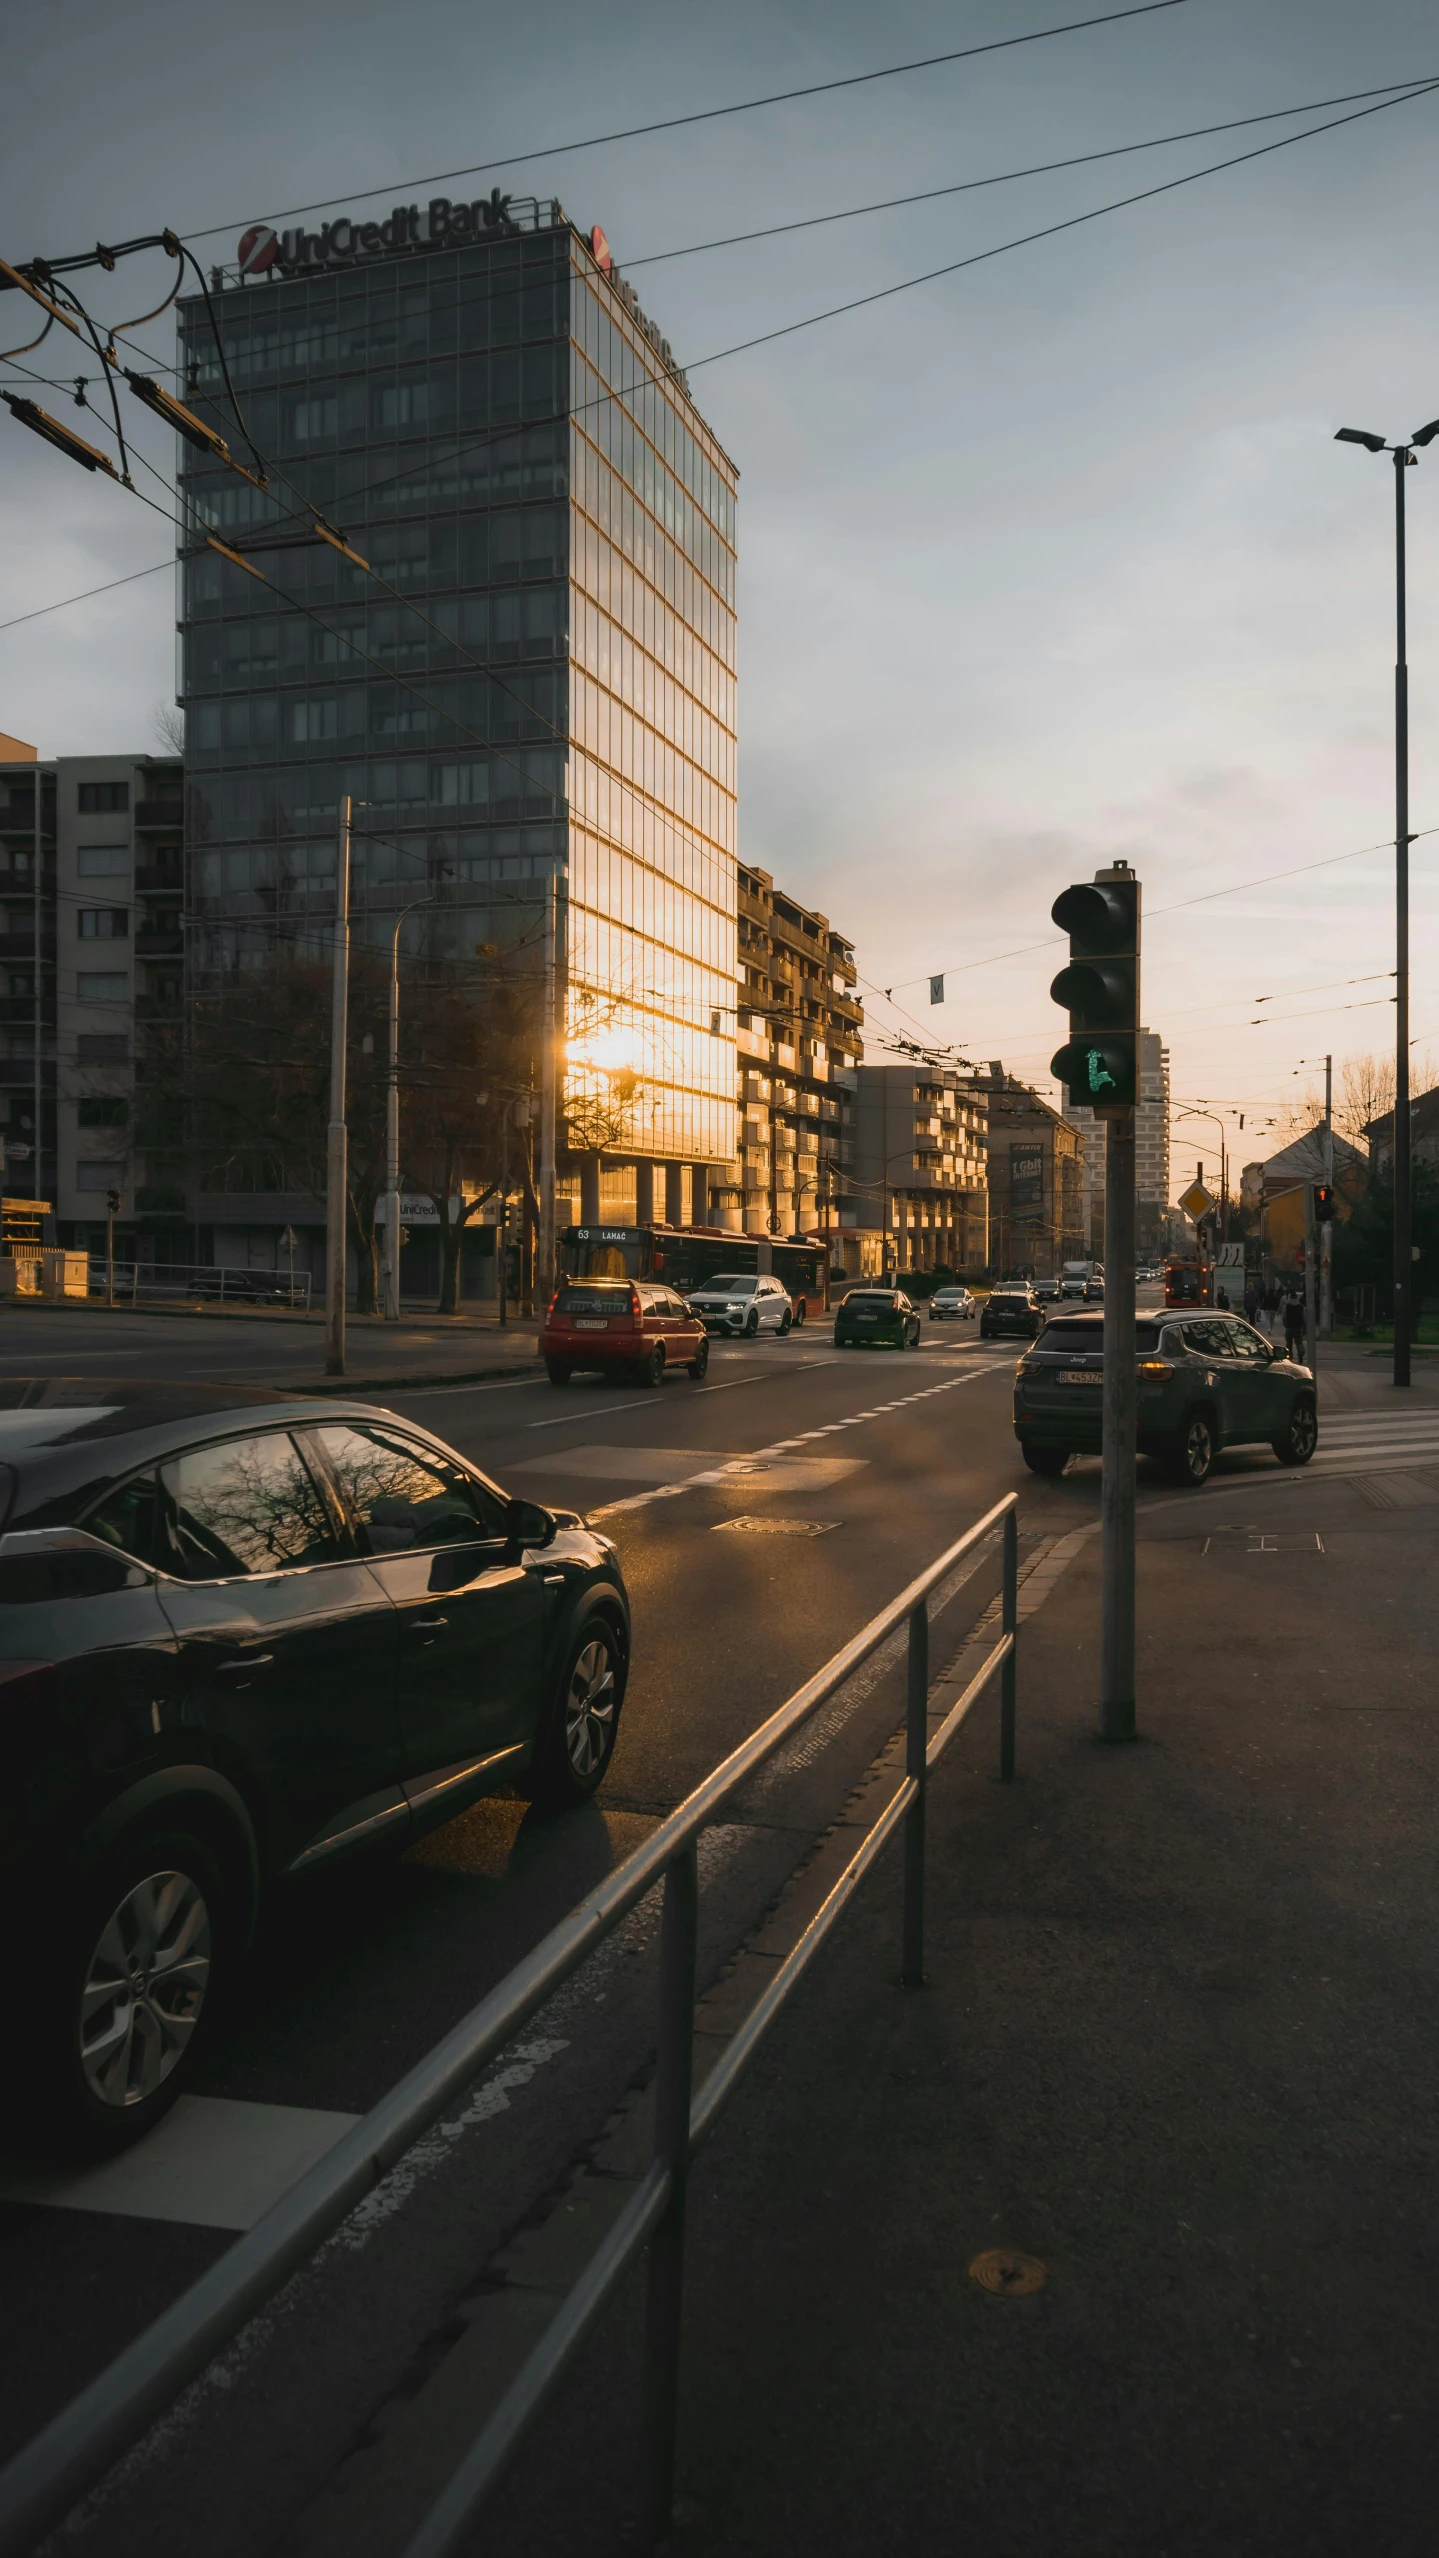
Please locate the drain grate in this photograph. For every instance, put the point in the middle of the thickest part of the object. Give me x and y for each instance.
(756, 1527)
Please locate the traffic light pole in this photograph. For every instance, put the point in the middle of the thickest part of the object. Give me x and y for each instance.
(1121, 1397)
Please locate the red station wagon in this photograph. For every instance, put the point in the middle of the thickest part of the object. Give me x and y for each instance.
(636, 1327)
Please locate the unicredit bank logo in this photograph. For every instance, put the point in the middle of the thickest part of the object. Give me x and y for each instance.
(344, 242)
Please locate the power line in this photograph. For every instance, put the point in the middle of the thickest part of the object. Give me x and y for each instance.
(707, 115)
(61, 602)
(1007, 177)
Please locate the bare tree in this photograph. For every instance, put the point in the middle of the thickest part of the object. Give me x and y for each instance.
(168, 722)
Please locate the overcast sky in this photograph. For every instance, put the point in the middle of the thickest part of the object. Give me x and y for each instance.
(1042, 563)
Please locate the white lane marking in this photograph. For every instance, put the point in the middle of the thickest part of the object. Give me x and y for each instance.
(721, 1473)
(780, 1473)
(213, 2162)
(597, 1414)
(501, 1385)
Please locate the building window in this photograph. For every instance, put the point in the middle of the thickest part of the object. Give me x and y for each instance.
(107, 989)
(102, 861)
(102, 1048)
(104, 923)
(99, 1174)
(102, 1110)
(104, 799)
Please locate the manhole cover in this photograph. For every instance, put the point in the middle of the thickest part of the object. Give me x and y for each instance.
(756, 1527)
(1009, 2272)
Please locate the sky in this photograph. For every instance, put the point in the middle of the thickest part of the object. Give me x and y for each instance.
(1042, 564)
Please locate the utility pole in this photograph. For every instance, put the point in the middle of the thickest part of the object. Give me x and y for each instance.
(1326, 1231)
(547, 1274)
(337, 1159)
(392, 1123)
(502, 1231)
(1311, 1360)
(1099, 1065)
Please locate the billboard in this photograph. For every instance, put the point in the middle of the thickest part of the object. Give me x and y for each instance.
(1026, 1184)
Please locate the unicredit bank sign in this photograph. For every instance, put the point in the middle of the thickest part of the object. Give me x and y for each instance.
(346, 242)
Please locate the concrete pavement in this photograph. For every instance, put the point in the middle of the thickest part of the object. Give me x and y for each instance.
(1176, 2045)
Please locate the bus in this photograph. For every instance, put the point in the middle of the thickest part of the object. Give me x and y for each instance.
(1187, 1280)
(686, 1256)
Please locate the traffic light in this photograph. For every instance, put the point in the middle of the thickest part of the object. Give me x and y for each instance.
(112, 1202)
(1100, 1060)
(1323, 1203)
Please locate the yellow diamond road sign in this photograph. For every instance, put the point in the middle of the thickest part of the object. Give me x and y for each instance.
(1197, 1201)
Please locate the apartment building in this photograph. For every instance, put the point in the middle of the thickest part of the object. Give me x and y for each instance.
(91, 959)
(799, 1044)
(921, 1142)
(1036, 1179)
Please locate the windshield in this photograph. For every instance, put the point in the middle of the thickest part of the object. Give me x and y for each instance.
(727, 1283)
(1059, 1334)
(591, 1300)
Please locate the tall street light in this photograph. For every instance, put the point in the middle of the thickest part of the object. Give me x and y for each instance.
(392, 1121)
(1404, 457)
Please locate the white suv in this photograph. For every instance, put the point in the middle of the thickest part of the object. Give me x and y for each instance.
(737, 1301)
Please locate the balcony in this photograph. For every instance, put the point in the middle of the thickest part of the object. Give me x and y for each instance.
(154, 815)
(156, 945)
(165, 1006)
(22, 945)
(164, 878)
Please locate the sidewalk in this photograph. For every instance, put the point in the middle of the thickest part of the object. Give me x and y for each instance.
(1178, 2044)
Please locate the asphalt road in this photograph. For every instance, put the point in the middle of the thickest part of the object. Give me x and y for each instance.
(881, 1459)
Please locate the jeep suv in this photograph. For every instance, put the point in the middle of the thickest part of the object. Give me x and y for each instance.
(1206, 1382)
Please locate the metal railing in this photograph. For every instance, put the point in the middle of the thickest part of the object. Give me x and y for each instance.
(80, 2444)
(133, 1283)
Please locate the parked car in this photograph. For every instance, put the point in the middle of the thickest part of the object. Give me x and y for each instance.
(951, 1305)
(1205, 1382)
(1012, 1309)
(744, 1302)
(241, 1637)
(635, 1327)
(870, 1318)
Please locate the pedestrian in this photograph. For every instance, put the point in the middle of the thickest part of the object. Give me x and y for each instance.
(1294, 1324)
(1222, 1301)
(1271, 1310)
(1253, 1300)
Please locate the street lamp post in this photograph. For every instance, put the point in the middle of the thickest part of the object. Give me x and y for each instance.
(1404, 457)
(392, 1122)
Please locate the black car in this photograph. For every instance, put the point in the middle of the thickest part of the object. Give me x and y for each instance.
(241, 1635)
(1011, 1310)
(1206, 1381)
(871, 1318)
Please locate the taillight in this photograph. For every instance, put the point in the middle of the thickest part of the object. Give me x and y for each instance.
(635, 1308)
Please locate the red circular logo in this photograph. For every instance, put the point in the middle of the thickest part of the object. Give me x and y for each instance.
(259, 249)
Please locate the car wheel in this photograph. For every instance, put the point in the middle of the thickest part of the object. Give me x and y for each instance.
(1044, 1460)
(799, 1314)
(912, 1336)
(752, 1323)
(558, 1371)
(1193, 1454)
(127, 1995)
(785, 1321)
(700, 1361)
(652, 1369)
(1297, 1442)
(577, 1740)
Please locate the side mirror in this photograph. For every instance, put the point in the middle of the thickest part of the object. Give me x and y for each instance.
(526, 1523)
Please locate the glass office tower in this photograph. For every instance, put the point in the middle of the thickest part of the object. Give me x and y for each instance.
(474, 397)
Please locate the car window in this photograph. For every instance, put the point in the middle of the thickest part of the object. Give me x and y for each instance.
(402, 1498)
(726, 1283)
(1210, 1339)
(1248, 1344)
(245, 1506)
(593, 1301)
(128, 1517)
(675, 1305)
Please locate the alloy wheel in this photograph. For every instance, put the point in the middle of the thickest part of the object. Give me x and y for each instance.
(1198, 1449)
(1303, 1432)
(145, 1985)
(590, 1708)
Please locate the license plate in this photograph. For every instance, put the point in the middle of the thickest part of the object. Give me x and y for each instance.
(591, 1323)
(1079, 1377)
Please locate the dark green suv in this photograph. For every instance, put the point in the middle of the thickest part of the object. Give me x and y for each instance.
(1206, 1382)
(870, 1318)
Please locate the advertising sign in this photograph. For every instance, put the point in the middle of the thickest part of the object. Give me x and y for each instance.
(1026, 1184)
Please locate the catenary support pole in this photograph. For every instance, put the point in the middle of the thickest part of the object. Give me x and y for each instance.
(547, 1273)
(1121, 1385)
(337, 1163)
(1403, 1212)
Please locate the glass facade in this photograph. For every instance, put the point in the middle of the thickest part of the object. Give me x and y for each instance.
(551, 690)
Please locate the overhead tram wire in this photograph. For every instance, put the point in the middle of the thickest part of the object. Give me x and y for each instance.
(515, 428)
(709, 115)
(1390, 89)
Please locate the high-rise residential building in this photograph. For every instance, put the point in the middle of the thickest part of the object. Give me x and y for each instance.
(1036, 1179)
(91, 953)
(800, 1039)
(919, 1176)
(1151, 1154)
(518, 665)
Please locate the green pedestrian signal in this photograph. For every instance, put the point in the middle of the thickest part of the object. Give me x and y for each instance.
(1099, 1062)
